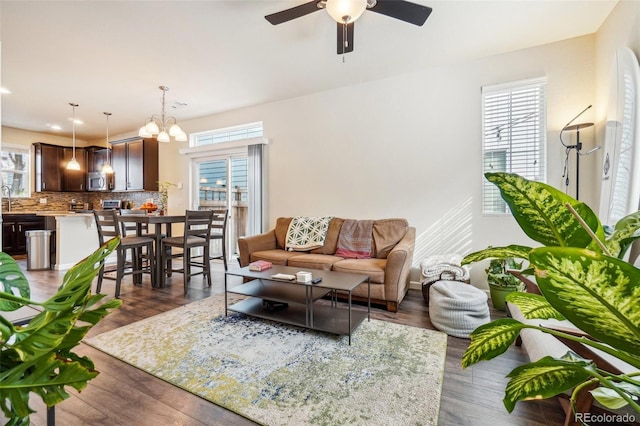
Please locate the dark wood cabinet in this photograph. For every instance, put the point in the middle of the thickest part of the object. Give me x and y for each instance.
(14, 228)
(97, 157)
(74, 180)
(51, 172)
(135, 164)
(48, 167)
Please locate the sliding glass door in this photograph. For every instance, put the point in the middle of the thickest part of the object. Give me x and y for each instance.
(222, 182)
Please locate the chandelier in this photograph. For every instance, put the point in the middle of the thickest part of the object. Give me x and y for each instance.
(162, 126)
(73, 164)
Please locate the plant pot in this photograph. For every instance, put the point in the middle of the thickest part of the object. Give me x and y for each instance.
(498, 295)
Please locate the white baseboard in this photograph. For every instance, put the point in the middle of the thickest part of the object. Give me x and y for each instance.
(415, 285)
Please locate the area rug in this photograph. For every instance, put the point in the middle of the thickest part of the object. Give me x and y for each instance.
(276, 374)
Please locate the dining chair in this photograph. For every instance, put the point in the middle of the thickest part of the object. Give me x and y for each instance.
(218, 233)
(109, 227)
(197, 234)
(130, 228)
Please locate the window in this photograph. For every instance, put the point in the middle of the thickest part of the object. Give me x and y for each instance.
(15, 171)
(227, 171)
(514, 132)
(229, 134)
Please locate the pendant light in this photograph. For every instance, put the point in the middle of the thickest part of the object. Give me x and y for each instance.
(107, 169)
(73, 164)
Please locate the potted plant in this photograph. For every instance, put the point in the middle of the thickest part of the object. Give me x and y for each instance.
(501, 282)
(38, 357)
(582, 277)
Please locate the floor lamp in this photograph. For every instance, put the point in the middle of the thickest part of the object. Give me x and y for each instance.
(578, 148)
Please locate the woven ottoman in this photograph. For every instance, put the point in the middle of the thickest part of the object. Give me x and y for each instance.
(457, 308)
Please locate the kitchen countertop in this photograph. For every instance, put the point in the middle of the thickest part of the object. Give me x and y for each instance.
(51, 213)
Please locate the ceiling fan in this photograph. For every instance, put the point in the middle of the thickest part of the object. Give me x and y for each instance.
(346, 12)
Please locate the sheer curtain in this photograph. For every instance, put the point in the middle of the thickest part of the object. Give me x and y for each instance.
(256, 193)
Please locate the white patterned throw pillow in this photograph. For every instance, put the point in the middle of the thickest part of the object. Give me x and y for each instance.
(307, 233)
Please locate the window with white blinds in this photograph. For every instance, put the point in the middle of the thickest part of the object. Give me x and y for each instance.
(514, 132)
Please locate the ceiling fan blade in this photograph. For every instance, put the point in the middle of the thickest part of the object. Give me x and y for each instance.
(293, 13)
(342, 46)
(412, 13)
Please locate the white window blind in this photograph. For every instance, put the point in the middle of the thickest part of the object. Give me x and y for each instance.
(514, 133)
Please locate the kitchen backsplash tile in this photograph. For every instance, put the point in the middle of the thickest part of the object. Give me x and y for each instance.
(59, 201)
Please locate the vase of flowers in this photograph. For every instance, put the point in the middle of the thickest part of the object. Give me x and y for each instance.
(163, 188)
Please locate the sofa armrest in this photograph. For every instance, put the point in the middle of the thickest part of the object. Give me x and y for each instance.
(396, 275)
(248, 245)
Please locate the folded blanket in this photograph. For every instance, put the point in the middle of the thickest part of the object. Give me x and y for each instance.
(354, 241)
(307, 233)
(446, 266)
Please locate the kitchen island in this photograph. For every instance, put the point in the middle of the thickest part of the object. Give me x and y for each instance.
(76, 236)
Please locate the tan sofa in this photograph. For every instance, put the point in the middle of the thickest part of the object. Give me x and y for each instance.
(392, 253)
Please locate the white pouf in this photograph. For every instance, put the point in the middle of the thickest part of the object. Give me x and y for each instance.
(457, 308)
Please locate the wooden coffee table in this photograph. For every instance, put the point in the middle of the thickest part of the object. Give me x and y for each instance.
(301, 297)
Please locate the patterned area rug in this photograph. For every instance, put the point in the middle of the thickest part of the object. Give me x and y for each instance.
(280, 375)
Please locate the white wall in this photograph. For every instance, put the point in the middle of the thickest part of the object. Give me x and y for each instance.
(407, 146)
(621, 29)
(11, 136)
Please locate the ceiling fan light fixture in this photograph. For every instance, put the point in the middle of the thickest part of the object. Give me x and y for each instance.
(346, 11)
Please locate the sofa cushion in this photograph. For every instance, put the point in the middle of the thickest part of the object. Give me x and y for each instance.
(306, 233)
(386, 234)
(372, 267)
(314, 261)
(282, 226)
(277, 257)
(331, 240)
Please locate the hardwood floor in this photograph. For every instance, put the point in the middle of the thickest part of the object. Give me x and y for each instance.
(124, 395)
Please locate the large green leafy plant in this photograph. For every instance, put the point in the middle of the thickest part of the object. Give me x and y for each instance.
(38, 357)
(582, 277)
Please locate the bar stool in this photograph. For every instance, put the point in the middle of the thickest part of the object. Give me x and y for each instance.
(218, 233)
(197, 234)
(108, 227)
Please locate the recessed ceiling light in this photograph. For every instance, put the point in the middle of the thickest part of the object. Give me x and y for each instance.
(4, 91)
(54, 127)
(77, 121)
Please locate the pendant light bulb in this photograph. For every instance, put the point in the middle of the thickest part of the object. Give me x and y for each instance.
(107, 169)
(73, 164)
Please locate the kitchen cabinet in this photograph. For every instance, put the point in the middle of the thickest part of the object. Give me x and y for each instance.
(96, 158)
(48, 167)
(74, 180)
(135, 164)
(14, 227)
(51, 172)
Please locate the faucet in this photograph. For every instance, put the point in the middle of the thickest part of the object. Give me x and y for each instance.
(8, 188)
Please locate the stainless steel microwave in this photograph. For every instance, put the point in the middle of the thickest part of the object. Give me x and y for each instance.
(98, 181)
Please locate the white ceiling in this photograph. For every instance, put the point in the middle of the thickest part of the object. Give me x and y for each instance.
(222, 55)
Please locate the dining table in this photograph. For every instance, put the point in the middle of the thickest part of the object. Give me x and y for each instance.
(162, 227)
